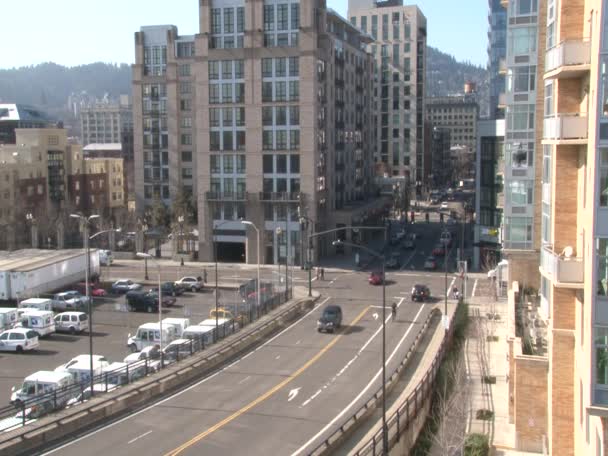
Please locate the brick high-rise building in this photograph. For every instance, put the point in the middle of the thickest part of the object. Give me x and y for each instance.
(263, 115)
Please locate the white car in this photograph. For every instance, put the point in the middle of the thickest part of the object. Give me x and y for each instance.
(444, 205)
(19, 340)
(189, 283)
(18, 420)
(150, 353)
(71, 322)
(125, 285)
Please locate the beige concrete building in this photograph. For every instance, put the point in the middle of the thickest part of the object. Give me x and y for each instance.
(270, 123)
(399, 51)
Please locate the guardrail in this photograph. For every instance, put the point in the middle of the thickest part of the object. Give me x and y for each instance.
(335, 438)
(22, 412)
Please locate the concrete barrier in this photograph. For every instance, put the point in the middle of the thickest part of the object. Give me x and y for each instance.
(130, 397)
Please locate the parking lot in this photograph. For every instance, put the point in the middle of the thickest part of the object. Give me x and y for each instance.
(111, 325)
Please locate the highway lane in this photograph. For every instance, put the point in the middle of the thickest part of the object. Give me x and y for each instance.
(246, 408)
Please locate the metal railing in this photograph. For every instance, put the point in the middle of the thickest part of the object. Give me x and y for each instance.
(399, 421)
(18, 414)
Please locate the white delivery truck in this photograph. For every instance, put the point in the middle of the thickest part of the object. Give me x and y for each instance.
(41, 383)
(35, 304)
(204, 335)
(149, 334)
(224, 326)
(26, 273)
(39, 321)
(81, 370)
(8, 317)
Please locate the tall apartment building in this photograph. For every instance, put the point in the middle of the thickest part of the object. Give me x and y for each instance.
(164, 114)
(497, 52)
(399, 51)
(269, 109)
(440, 157)
(104, 121)
(522, 152)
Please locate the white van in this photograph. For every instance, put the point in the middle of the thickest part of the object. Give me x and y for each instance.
(8, 317)
(81, 370)
(43, 382)
(40, 321)
(149, 334)
(204, 334)
(36, 304)
(180, 324)
(71, 322)
(224, 326)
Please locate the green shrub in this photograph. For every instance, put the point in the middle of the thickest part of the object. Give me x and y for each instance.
(476, 445)
(484, 414)
(489, 379)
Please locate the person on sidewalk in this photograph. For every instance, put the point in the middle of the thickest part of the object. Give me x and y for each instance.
(204, 275)
(322, 273)
(394, 311)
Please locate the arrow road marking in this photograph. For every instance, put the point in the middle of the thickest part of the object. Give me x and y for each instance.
(375, 315)
(293, 393)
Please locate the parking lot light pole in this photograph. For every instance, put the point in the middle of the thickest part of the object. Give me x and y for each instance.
(160, 302)
(445, 267)
(383, 258)
(251, 224)
(216, 284)
(84, 222)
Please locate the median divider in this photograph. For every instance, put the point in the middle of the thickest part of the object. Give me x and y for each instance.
(51, 429)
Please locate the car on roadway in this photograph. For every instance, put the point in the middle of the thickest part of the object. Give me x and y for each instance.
(330, 320)
(438, 250)
(430, 264)
(124, 286)
(394, 261)
(171, 289)
(19, 340)
(420, 293)
(376, 278)
(190, 283)
(71, 322)
(444, 206)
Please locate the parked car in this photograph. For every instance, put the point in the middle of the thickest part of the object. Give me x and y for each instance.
(8, 317)
(19, 340)
(149, 334)
(430, 263)
(149, 354)
(170, 289)
(168, 301)
(69, 300)
(80, 367)
(331, 319)
(178, 349)
(438, 250)
(71, 322)
(139, 301)
(43, 382)
(36, 304)
(189, 283)
(420, 293)
(39, 321)
(81, 359)
(376, 278)
(124, 286)
(444, 206)
(94, 289)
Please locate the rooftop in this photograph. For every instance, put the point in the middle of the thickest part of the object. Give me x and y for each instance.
(105, 147)
(30, 259)
(19, 112)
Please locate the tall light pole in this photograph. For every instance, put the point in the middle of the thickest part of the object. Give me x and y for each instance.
(216, 284)
(144, 228)
(445, 242)
(84, 223)
(180, 220)
(251, 224)
(160, 301)
(383, 258)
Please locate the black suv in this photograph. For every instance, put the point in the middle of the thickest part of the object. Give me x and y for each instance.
(139, 301)
(331, 318)
(170, 289)
(421, 293)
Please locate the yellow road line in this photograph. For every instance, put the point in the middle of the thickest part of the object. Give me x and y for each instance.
(264, 396)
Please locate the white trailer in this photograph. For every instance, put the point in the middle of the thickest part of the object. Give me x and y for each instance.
(28, 273)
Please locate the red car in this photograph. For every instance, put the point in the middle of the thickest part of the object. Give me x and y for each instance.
(94, 289)
(438, 251)
(376, 278)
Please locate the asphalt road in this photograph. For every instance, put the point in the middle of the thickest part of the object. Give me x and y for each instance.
(290, 393)
(111, 327)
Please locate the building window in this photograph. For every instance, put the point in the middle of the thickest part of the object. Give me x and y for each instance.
(224, 34)
(521, 79)
(186, 156)
(281, 24)
(184, 70)
(602, 267)
(603, 190)
(601, 364)
(522, 40)
(518, 232)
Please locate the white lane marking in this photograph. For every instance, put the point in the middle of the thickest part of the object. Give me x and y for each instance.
(307, 401)
(298, 342)
(408, 260)
(356, 399)
(278, 356)
(179, 393)
(245, 379)
(474, 288)
(451, 286)
(332, 282)
(139, 437)
(293, 393)
(353, 359)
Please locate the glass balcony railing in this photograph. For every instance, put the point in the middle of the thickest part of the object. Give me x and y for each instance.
(563, 271)
(566, 127)
(568, 57)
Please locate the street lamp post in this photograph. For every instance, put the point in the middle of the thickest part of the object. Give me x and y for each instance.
(445, 267)
(180, 220)
(160, 301)
(145, 229)
(383, 258)
(85, 221)
(251, 224)
(217, 324)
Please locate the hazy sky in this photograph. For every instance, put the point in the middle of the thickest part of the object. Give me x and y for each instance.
(74, 32)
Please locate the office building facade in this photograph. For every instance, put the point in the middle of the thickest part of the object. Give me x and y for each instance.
(497, 52)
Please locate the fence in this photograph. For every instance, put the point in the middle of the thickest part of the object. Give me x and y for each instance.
(22, 411)
(400, 421)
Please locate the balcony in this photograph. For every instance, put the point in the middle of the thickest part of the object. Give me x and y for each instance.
(504, 3)
(280, 197)
(226, 196)
(502, 101)
(565, 129)
(569, 59)
(563, 272)
(502, 67)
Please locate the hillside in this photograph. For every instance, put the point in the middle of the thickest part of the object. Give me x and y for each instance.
(48, 85)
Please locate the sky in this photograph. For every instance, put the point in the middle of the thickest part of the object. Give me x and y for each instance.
(76, 32)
